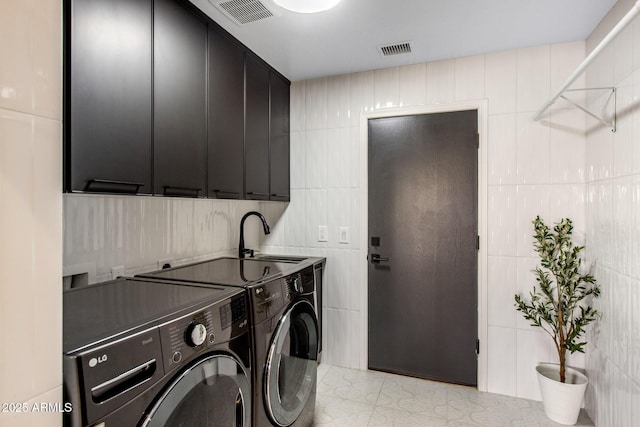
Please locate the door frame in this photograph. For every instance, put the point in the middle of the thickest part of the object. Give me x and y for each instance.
(481, 106)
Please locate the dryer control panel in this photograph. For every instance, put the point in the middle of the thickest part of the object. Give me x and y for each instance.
(300, 283)
(267, 299)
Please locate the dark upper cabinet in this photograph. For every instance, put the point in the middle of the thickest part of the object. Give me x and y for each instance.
(159, 99)
(256, 129)
(226, 117)
(279, 138)
(108, 96)
(180, 101)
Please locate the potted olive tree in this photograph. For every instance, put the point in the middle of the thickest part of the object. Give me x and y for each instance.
(558, 306)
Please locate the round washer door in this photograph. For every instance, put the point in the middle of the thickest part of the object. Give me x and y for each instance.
(291, 366)
(215, 391)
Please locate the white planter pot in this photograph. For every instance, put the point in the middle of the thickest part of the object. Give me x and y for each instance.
(561, 401)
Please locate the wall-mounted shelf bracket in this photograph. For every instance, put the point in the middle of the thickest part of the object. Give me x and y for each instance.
(611, 123)
(617, 29)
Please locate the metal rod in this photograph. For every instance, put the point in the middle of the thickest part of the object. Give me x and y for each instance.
(594, 53)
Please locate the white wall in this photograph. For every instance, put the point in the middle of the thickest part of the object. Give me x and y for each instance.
(613, 229)
(534, 168)
(30, 208)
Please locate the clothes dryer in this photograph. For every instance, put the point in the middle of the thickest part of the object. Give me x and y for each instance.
(286, 349)
(146, 353)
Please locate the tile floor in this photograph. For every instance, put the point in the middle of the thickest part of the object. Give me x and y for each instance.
(353, 398)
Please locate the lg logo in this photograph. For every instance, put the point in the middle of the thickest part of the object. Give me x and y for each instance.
(97, 360)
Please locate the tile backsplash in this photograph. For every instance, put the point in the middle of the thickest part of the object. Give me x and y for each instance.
(138, 233)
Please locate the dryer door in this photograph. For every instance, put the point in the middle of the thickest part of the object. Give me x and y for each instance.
(215, 391)
(291, 365)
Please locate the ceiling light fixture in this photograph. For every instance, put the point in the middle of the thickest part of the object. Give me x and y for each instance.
(307, 6)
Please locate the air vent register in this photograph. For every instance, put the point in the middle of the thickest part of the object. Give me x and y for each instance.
(246, 11)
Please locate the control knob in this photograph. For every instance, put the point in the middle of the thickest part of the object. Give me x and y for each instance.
(196, 334)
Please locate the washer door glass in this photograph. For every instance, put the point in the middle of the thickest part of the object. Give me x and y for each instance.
(291, 366)
(213, 392)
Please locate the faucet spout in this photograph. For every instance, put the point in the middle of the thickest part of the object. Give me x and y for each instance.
(242, 251)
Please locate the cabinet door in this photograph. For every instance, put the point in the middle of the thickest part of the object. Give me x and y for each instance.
(257, 130)
(179, 87)
(226, 117)
(108, 106)
(279, 138)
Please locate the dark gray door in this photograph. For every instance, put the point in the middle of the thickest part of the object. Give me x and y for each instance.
(422, 288)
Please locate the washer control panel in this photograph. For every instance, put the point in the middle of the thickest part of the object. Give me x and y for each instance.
(189, 335)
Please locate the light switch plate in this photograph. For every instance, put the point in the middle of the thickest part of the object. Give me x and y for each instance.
(344, 235)
(323, 233)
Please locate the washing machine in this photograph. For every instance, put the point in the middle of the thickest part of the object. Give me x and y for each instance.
(150, 353)
(285, 329)
(286, 347)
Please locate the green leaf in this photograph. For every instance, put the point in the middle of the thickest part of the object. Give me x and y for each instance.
(557, 304)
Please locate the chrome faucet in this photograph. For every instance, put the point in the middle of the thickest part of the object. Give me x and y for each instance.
(242, 251)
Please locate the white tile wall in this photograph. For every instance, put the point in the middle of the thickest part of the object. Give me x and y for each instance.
(440, 82)
(533, 149)
(316, 156)
(338, 112)
(101, 232)
(386, 88)
(30, 208)
(503, 360)
(613, 229)
(502, 224)
(30, 71)
(567, 147)
(503, 159)
(413, 85)
(530, 172)
(501, 74)
(502, 286)
(533, 77)
(469, 78)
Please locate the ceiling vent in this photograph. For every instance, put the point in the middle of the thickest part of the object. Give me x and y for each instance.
(246, 11)
(395, 49)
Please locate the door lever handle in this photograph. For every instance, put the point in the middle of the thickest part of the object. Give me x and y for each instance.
(377, 259)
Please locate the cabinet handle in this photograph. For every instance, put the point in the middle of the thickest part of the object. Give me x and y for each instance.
(180, 191)
(251, 193)
(226, 194)
(279, 195)
(110, 186)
